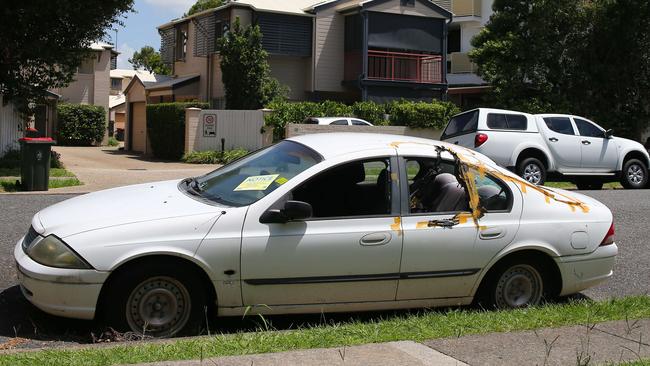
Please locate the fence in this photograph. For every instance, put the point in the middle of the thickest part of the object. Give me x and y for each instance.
(206, 129)
(11, 126)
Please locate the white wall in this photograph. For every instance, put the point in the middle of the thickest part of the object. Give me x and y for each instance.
(240, 129)
(11, 127)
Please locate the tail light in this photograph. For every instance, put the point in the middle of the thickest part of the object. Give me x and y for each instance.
(480, 139)
(609, 238)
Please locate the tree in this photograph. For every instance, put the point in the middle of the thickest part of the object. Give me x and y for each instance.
(245, 70)
(147, 58)
(585, 57)
(202, 5)
(43, 42)
(528, 52)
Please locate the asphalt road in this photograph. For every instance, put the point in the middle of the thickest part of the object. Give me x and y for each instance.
(19, 318)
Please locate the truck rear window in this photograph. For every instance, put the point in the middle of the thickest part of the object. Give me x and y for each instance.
(461, 124)
(499, 121)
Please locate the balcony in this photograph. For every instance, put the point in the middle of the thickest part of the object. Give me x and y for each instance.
(461, 64)
(407, 67)
(466, 8)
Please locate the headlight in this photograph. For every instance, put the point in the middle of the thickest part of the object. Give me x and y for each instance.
(52, 252)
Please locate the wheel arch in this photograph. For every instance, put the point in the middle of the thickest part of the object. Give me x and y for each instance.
(171, 259)
(541, 253)
(634, 154)
(529, 151)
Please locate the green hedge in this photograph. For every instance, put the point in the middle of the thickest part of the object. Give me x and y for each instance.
(166, 128)
(422, 114)
(214, 157)
(80, 125)
(434, 114)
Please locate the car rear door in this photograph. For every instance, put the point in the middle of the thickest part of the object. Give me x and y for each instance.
(445, 249)
(563, 142)
(599, 153)
(349, 251)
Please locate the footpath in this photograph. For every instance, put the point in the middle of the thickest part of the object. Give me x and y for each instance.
(608, 343)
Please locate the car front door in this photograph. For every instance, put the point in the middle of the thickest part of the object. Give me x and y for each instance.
(563, 142)
(348, 251)
(599, 153)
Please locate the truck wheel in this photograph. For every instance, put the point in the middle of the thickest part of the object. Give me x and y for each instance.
(634, 174)
(532, 170)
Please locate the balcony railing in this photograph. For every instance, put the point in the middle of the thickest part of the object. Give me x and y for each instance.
(396, 66)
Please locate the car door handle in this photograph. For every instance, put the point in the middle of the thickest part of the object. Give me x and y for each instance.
(553, 139)
(494, 233)
(375, 239)
(586, 142)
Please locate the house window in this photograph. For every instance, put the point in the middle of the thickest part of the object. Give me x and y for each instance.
(87, 66)
(181, 42)
(116, 83)
(453, 40)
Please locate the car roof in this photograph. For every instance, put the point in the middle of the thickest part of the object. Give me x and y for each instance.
(494, 110)
(329, 119)
(339, 143)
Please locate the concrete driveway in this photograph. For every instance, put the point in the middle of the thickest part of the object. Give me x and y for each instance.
(104, 167)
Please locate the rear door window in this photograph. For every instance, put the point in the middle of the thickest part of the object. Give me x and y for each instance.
(500, 121)
(356, 122)
(340, 122)
(461, 124)
(560, 125)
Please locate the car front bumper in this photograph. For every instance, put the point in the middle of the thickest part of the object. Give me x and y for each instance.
(580, 272)
(70, 293)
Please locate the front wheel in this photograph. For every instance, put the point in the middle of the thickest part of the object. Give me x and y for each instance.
(634, 174)
(156, 300)
(532, 170)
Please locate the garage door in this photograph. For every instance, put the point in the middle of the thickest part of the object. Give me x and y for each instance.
(138, 126)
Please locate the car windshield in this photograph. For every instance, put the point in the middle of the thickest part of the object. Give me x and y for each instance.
(251, 178)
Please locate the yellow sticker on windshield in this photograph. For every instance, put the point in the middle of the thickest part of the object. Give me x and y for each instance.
(281, 180)
(257, 183)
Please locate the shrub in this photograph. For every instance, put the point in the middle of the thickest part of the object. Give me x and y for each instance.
(112, 141)
(11, 160)
(166, 128)
(402, 113)
(371, 112)
(214, 157)
(422, 114)
(80, 125)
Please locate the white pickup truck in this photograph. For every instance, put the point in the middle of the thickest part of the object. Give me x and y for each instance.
(543, 146)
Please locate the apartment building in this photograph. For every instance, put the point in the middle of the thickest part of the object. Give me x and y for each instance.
(339, 49)
(470, 16)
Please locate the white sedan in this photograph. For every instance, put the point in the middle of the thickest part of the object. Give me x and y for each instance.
(316, 223)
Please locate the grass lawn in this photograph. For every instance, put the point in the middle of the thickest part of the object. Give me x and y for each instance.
(54, 172)
(9, 185)
(416, 326)
(569, 185)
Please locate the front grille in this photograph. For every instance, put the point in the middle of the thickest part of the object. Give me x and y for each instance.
(29, 237)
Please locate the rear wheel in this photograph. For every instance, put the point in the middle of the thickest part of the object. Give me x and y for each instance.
(157, 300)
(515, 284)
(532, 170)
(634, 174)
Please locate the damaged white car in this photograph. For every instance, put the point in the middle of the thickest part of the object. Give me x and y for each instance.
(317, 223)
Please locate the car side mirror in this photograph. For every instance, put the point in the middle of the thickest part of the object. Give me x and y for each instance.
(609, 133)
(293, 210)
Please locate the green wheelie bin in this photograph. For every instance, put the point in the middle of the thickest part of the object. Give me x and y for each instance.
(35, 163)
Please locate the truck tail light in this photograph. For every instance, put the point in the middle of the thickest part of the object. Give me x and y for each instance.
(609, 238)
(480, 139)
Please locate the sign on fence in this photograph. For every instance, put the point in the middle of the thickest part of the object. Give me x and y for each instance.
(209, 125)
